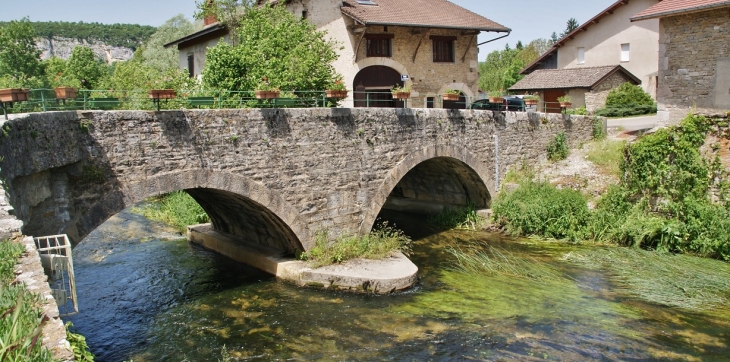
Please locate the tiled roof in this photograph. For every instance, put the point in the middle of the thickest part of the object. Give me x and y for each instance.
(423, 13)
(584, 77)
(676, 7)
(212, 30)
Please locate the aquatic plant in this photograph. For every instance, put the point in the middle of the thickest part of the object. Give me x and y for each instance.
(177, 209)
(381, 243)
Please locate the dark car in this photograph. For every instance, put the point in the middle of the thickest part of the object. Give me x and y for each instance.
(510, 103)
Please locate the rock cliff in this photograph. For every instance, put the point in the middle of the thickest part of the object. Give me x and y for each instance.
(62, 48)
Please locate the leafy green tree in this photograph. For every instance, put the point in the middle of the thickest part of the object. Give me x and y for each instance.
(86, 68)
(19, 57)
(154, 53)
(571, 25)
(275, 47)
(227, 12)
(502, 69)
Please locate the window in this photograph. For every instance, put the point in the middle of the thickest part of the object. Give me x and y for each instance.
(379, 45)
(625, 50)
(581, 55)
(191, 65)
(304, 14)
(443, 49)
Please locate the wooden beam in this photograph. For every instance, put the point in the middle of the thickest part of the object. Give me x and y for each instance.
(415, 53)
(357, 50)
(471, 41)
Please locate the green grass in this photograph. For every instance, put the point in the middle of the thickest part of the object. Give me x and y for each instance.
(21, 316)
(176, 208)
(607, 155)
(673, 280)
(458, 218)
(485, 260)
(381, 243)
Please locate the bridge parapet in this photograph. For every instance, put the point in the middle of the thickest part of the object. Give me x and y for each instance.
(274, 175)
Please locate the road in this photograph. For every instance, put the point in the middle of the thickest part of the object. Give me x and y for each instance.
(633, 123)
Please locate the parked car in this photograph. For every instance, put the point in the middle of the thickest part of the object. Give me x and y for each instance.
(510, 103)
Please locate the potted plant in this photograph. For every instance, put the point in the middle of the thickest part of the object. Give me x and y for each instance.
(12, 89)
(531, 99)
(65, 87)
(451, 95)
(565, 101)
(164, 88)
(264, 90)
(399, 92)
(496, 96)
(336, 89)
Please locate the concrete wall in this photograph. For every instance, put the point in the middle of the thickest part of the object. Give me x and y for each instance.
(428, 79)
(275, 175)
(602, 43)
(694, 64)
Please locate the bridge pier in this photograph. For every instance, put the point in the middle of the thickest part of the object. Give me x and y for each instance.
(369, 276)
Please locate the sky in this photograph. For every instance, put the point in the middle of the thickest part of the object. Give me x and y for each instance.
(528, 19)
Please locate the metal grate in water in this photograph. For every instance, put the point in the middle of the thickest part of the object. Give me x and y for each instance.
(55, 252)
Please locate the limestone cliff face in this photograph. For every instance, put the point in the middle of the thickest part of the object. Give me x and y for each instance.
(62, 48)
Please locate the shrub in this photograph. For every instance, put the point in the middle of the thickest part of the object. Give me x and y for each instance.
(538, 208)
(628, 110)
(628, 94)
(558, 148)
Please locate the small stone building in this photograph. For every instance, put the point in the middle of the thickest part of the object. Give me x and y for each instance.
(588, 86)
(694, 57)
(430, 45)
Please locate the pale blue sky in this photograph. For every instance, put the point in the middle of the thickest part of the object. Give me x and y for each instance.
(528, 19)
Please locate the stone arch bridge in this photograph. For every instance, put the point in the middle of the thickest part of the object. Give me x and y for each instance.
(269, 176)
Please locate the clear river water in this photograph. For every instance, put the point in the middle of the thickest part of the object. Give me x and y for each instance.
(146, 294)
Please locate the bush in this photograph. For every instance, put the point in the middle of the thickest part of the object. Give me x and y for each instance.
(628, 110)
(538, 208)
(628, 94)
(558, 148)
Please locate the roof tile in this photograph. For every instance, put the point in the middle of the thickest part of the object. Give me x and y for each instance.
(426, 13)
(675, 7)
(584, 77)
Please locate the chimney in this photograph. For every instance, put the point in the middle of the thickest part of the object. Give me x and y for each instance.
(209, 19)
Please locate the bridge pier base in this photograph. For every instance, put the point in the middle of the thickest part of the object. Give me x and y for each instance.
(368, 276)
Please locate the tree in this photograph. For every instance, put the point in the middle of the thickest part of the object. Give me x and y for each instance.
(554, 37)
(571, 25)
(540, 45)
(227, 12)
(501, 69)
(154, 53)
(274, 47)
(85, 67)
(19, 57)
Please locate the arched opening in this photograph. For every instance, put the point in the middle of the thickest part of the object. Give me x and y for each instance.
(457, 104)
(372, 87)
(437, 184)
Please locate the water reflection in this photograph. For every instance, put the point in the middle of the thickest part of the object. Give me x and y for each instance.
(154, 300)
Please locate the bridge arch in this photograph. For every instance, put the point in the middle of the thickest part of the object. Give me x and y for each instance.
(465, 170)
(236, 205)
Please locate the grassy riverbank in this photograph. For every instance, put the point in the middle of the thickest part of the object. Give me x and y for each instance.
(177, 209)
(673, 195)
(22, 316)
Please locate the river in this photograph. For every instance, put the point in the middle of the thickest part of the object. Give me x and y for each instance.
(148, 295)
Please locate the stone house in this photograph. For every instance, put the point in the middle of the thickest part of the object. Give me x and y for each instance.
(694, 56)
(587, 86)
(608, 39)
(430, 45)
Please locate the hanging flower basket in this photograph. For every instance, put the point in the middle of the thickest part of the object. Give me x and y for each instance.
(264, 94)
(162, 93)
(496, 99)
(450, 97)
(13, 95)
(329, 93)
(402, 95)
(530, 102)
(66, 92)
(565, 104)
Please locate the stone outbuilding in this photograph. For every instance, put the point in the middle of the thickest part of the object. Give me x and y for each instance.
(430, 45)
(694, 57)
(588, 86)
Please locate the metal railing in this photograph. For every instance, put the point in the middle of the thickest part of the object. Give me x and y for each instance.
(43, 100)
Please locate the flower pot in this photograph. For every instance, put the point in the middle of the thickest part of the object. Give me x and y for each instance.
(264, 94)
(402, 95)
(530, 102)
(565, 104)
(65, 92)
(496, 99)
(162, 93)
(450, 97)
(13, 95)
(335, 93)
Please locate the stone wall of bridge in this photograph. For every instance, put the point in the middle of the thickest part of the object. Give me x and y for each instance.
(273, 176)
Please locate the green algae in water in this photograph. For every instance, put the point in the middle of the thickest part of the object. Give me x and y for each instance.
(682, 281)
